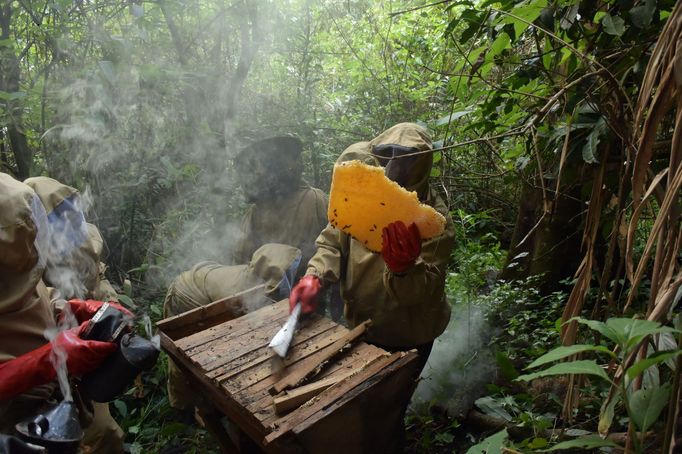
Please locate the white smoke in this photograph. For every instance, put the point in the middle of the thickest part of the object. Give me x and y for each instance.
(460, 364)
(58, 357)
(69, 266)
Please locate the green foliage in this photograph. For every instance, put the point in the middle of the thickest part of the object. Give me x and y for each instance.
(150, 424)
(586, 367)
(643, 406)
(590, 442)
(477, 256)
(143, 106)
(527, 320)
(492, 444)
(144, 413)
(431, 433)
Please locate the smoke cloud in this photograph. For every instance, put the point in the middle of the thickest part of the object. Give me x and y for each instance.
(70, 268)
(58, 357)
(460, 364)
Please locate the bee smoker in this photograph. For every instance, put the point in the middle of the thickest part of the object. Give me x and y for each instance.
(118, 371)
(58, 429)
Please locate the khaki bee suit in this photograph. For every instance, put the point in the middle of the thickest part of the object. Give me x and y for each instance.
(26, 312)
(209, 281)
(406, 310)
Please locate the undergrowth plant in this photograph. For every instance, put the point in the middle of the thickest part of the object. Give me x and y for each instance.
(641, 397)
(478, 255)
(144, 413)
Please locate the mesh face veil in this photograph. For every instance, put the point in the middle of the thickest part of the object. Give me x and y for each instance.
(67, 229)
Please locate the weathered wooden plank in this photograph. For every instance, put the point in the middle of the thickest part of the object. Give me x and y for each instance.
(327, 397)
(262, 371)
(370, 413)
(356, 359)
(260, 353)
(398, 366)
(237, 413)
(293, 398)
(204, 317)
(257, 398)
(233, 336)
(234, 345)
(236, 327)
(250, 396)
(299, 372)
(249, 342)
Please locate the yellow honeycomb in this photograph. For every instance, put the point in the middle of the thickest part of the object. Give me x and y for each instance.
(363, 201)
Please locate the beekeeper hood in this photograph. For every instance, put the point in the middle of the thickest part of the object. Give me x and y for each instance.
(269, 167)
(22, 242)
(74, 246)
(403, 150)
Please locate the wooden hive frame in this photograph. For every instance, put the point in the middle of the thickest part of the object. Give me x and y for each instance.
(233, 370)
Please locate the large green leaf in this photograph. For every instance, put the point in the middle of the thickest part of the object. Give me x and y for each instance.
(642, 15)
(598, 326)
(590, 147)
(584, 367)
(501, 43)
(492, 407)
(590, 442)
(631, 332)
(491, 445)
(606, 414)
(641, 366)
(455, 115)
(613, 25)
(646, 405)
(526, 12)
(563, 352)
(127, 301)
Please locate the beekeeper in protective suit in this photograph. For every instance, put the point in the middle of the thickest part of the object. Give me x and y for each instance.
(278, 232)
(285, 209)
(274, 265)
(402, 289)
(27, 375)
(78, 273)
(74, 273)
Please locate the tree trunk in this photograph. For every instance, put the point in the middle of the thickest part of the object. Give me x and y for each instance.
(249, 32)
(10, 77)
(552, 243)
(518, 264)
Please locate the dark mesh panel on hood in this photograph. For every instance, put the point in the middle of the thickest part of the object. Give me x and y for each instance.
(269, 167)
(409, 135)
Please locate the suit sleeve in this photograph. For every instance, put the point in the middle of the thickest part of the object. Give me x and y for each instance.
(244, 248)
(426, 279)
(326, 262)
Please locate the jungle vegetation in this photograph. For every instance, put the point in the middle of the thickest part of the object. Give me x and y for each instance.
(557, 128)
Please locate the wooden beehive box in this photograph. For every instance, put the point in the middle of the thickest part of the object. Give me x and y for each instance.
(231, 365)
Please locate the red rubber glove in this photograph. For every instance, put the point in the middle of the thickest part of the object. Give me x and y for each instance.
(305, 291)
(401, 246)
(85, 309)
(35, 368)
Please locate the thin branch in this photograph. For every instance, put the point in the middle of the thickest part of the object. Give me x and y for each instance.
(416, 8)
(623, 95)
(345, 40)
